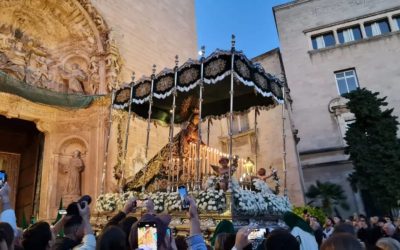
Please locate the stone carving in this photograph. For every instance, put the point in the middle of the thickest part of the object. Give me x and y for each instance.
(55, 46)
(75, 79)
(73, 171)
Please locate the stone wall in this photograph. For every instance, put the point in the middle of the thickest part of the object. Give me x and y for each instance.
(151, 32)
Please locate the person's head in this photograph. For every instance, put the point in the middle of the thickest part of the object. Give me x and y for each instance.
(225, 226)
(314, 224)
(261, 171)
(111, 238)
(388, 219)
(224, 241)
(38, 237)
(329, 222)
(362, 221)
(341, 241)
(280, 239)
(387, 244)
(381, 222)
(73, 228)
(344, 228)
(373, 220)
(126, 225)
(337, 219)
(224, 161)
(181, 243)
(389, 229)
(7, 234)
(163, 240)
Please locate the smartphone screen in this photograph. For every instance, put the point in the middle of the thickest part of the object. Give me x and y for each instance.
(141, 203)
(183, 194)
(147, 236)
(257, 233)
(62, 211)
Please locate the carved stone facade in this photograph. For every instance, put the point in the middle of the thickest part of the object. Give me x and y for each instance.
(64, 46)
(72, 47)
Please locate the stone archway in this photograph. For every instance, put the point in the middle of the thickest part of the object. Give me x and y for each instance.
(59, 45)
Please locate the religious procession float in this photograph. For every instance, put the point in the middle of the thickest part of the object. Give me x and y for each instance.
(224, 186)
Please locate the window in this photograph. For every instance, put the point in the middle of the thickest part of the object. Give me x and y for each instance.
(349, 34)
(377, 28)
(240, 123)
(323, 41)
(346, 81)
(396, 20)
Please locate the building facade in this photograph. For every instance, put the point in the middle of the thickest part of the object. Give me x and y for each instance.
(58, 50)
(330, 48)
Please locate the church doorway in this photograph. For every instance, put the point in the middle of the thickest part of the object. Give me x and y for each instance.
(21, 148)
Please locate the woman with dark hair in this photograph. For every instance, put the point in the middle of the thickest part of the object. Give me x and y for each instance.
(281, 239)
(38, 237)
(300, 229)
(224, 241)
(112, 238)
(341, 241)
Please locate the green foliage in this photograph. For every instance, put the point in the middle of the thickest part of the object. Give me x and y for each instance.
(328, 195)
(374, 148)
(313, 211)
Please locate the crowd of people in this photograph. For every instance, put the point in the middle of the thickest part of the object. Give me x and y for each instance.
(123, 231)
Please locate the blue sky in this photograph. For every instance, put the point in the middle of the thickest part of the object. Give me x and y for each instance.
(252, 21)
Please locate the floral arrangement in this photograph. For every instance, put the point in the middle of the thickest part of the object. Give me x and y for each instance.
(108, 202)
(261, 201)
(211, 200)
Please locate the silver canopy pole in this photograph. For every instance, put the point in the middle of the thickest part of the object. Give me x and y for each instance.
(201, 87)
(208, 131)
(153, 75)
(231, 93)
(256, 136)
(127, 133)
(103, 174)
(284, 143)
(171, 126)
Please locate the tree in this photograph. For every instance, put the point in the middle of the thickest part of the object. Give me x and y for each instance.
(328, 194)
(374, 148)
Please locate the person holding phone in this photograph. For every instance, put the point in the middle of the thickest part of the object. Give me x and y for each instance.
(151, 231)
(195, 240)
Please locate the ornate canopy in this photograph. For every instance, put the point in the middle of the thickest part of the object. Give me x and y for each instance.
(253, 87)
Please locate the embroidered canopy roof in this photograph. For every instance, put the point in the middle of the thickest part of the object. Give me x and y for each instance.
(253, 87)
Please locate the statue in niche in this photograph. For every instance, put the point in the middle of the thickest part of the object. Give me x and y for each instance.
(75, 78)
(73, 171)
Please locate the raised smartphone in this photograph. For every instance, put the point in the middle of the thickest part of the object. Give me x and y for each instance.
(147, 235)
(257, 233)
(183, 194)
